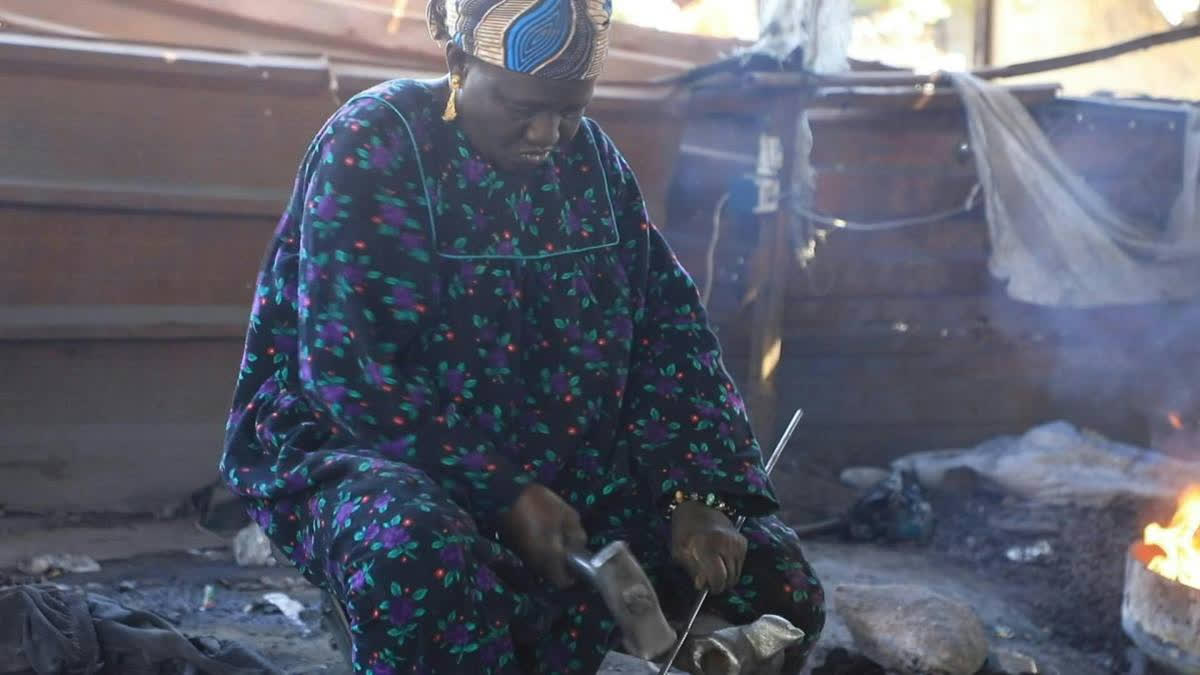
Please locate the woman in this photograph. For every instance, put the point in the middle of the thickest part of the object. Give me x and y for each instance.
(470, 352)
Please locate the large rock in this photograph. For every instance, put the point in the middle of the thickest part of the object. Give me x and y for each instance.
(912, 630)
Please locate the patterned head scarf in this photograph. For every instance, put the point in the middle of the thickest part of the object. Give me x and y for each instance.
(554, 39)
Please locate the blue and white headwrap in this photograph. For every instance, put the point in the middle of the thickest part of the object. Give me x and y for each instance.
(554, 39)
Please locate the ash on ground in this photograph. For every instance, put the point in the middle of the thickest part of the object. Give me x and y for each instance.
(1073, 586)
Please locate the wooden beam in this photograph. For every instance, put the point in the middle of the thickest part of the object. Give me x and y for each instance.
(900, 79)
(772, 263)
(30, 24)
(985, 12)
(636, 53)
(78, 55)
(115, 322)
(211, 200)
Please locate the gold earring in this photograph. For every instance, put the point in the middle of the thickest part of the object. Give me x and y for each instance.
(451, 113)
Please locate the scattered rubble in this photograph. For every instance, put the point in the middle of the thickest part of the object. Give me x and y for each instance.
(59, 563)
(288, 607)
(863, 477)
(894, 510)
(1030, 553)
(279, 583)
(210, 553)
(251, 548)
(1010, 662)
(1073, 595)
(912, 630)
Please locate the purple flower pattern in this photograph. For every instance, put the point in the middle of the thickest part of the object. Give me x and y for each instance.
(405, 377)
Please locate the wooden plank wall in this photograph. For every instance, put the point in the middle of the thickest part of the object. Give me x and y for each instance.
(900, 341)
(134, 210)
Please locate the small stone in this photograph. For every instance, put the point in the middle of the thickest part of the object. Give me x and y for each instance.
(289, 607)
(251, 548)
(1011, 663)
(1026, 554)
(51, 562)
(912, 630)
(1004, 632)
(127, 586)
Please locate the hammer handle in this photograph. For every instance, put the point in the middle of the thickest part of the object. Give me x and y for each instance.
(741, 520)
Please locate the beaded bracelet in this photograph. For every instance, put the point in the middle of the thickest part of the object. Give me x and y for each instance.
(710, 500)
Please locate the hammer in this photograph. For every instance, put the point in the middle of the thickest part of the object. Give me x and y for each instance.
(629, 596)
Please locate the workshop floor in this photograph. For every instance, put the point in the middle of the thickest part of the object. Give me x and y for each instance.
(147, 565)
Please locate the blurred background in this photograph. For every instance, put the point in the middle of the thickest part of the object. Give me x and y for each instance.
(927, 35)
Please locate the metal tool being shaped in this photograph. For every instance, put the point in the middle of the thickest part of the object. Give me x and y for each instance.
(629, 596)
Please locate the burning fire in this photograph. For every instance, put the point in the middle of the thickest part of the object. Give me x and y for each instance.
(1175, 420)
(1180, 542)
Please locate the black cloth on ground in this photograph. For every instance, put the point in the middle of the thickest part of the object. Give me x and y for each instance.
(48, 630)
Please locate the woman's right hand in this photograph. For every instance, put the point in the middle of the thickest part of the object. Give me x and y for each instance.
(542, 528)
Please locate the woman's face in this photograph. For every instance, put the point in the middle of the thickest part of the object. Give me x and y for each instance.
(514, 119)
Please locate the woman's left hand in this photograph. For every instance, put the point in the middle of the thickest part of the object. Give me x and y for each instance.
(706, 544)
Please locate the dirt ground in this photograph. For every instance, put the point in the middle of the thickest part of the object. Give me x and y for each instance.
(1062, 609)
(173, 586)
(1075, 590)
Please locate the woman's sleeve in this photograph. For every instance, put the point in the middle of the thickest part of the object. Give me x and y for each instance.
(367, 277)
(685, 420)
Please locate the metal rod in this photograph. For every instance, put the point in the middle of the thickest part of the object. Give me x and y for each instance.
(783, 440)
(771, 461)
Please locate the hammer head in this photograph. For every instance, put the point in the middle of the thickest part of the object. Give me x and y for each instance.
(629, 596)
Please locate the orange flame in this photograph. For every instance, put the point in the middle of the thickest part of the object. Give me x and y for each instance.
(1175, 420)
(1180, 541)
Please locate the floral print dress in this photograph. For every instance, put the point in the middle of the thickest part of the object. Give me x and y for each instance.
(429, 335)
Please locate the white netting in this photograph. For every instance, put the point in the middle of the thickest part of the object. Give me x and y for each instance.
(1055, 240)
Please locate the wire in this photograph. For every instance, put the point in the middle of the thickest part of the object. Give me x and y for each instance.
(710, 256)
(969, 205)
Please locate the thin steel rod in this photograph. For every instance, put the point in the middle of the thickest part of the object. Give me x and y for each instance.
(771, 462)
